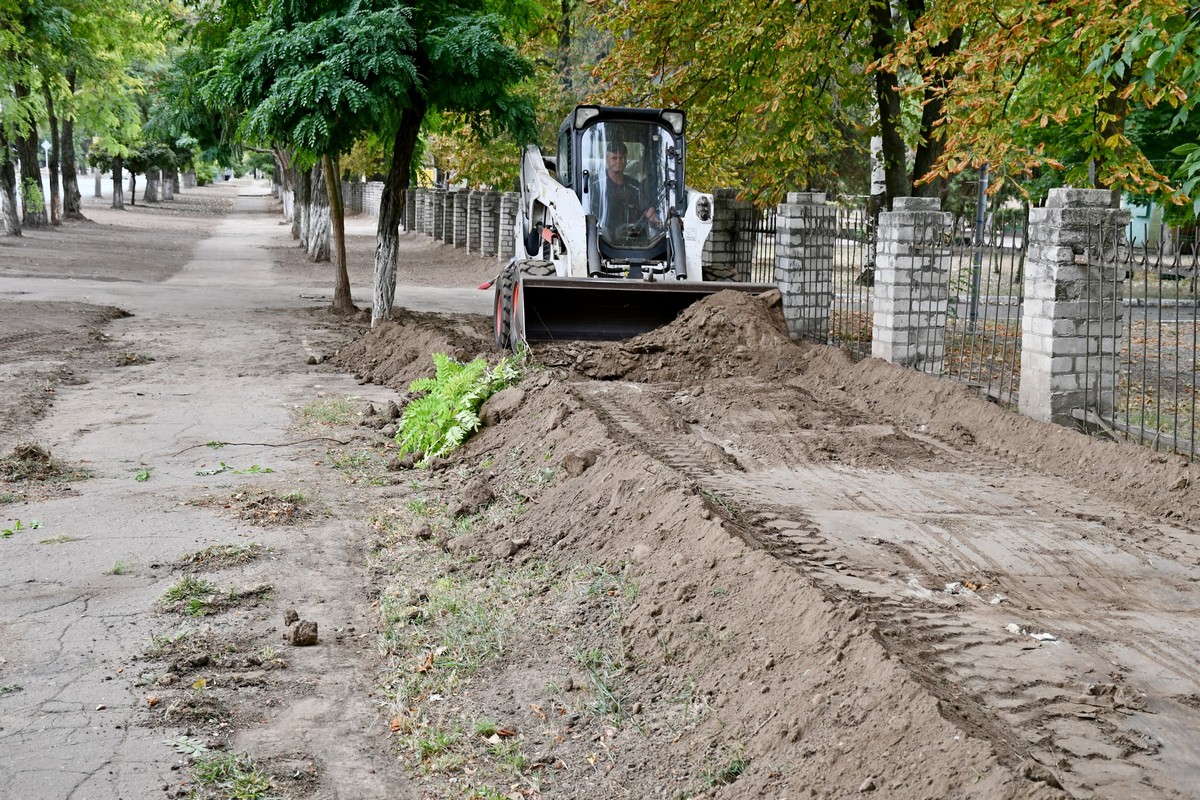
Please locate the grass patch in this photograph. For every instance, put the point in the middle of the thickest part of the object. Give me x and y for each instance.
(267, 508)
(186, 589)
(330, 411)
(61, 539)
(221, 556)
(31, 462)
(231, 775)
(119, 568)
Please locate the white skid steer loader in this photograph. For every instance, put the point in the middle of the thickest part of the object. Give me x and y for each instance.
(608, 236)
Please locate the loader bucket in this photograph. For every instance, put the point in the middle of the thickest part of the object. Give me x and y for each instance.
(595, 309)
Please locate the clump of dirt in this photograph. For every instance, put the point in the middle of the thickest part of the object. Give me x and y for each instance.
(725, 335)
(31, 462)
(397, 351)
(223, 556)
(133, 360)
(263, 507)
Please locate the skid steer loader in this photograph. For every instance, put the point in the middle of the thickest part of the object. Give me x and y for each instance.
(608, 236)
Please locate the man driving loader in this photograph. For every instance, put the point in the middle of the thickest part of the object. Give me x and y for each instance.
(622, 204)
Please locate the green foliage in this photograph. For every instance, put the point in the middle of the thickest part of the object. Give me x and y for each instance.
(32, 195)
(206, 172)
(448, 413)
(18, 526)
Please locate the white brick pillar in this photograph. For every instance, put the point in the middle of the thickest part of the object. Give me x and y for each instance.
(437, 214)
(460, 218)
(474, 219)
(804, 234)
(508, 223)
(489, 223)
(911, 285)
(1072, 321)
(410, 210)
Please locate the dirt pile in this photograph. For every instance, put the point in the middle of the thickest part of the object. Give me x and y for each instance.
(776, 525)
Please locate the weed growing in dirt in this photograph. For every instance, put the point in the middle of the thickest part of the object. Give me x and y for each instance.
(329, 411)
(609, 700)
(8, 498)
(142, 475)
(119, 568)
(232, 775)
(726, 769)
(220, 556)
(448, 412)
(18, 526)
(61, 539)
(11, 688)
(187, 589)
(31, 462)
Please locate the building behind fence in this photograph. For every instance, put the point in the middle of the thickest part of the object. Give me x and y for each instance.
(1058, 316)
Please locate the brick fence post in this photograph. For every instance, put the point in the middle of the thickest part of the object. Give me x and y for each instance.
(719, 258)
(911, 285)
(437, 199)
(422, 225)
(489, 222)
(460, 218)
(1072, 286)
(804, 233)
(474, 218)
(410, 210)
(508, 221)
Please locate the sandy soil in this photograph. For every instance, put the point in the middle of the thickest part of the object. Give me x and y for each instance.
(705, 562)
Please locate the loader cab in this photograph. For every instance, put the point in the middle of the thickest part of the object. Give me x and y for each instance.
(626, 167)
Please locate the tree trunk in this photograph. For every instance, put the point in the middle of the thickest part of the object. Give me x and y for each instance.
(132, 188)
(170, 185)
(72, 200)
(33, 202)
(53, 158)
(391, 212)
(99, 177)
(933, 136)
(887, 97)
(8, 189)
(303, 194)
(153, 181)
(318, 217)
(342, 302)
(118, 189)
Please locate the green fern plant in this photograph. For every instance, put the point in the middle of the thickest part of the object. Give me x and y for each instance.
(448, 413)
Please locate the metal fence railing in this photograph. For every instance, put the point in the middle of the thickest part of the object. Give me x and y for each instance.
(1147, 392)
(754, 243)
(985, 299)
(853, 276)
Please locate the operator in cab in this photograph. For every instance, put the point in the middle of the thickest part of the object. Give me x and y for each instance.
(622, 204)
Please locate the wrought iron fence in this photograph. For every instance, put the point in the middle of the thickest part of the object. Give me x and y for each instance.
(853, 276)
(984, 302)
(754, 243)
(1147, 391)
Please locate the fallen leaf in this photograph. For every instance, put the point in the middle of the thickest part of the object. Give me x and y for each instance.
(101, 707)
(539, 711)
(506, 732)
(427, 664)
(200, 683)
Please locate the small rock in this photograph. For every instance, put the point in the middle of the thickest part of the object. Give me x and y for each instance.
(867, 786)
(304, 634)
(508, 548)
(167, 678)
(370, 412)
(290, 616)
(311, 361)
(477, 495)
(1179, 484)
(393, 464)
(423, 532)
(577, 462)
(393, 410)
(501, 406)
(388, 430)
(409, 460)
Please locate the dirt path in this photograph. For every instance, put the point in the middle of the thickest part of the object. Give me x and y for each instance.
(82, 593)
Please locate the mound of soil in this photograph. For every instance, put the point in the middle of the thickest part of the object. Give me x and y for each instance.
(782, 522)
(397, 351)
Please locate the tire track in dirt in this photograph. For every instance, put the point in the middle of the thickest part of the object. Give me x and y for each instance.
(1097, 700)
